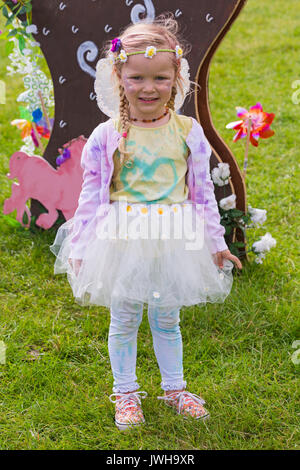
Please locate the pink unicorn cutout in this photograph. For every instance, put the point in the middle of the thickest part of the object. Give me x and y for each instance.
(57, 189)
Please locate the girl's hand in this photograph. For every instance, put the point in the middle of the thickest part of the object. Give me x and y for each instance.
(226, 254)
(77, 264)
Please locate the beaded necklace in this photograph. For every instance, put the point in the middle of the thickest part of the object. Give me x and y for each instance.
(151, 120)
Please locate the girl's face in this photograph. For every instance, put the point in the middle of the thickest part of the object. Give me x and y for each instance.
(148, 84)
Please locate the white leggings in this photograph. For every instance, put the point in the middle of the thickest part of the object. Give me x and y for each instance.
(126, 318)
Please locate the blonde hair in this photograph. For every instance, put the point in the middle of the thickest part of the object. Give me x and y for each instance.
(162, 33)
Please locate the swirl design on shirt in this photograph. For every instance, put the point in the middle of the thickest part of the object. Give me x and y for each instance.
(147, 173)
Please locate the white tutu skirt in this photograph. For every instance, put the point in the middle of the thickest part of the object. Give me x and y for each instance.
(151, 253)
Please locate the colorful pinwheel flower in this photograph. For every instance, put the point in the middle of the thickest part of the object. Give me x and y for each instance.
(260, 124)
(253, 125)
(32, 124)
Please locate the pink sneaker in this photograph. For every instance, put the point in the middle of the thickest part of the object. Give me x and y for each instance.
(186, 404)
(128, 409)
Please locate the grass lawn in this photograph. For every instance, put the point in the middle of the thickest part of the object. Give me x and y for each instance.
(55, 383)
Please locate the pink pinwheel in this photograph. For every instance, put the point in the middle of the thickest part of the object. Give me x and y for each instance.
(260, 124)
(253, 124)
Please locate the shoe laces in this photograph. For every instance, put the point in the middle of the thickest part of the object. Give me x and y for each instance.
(184, 398)
(127, 400)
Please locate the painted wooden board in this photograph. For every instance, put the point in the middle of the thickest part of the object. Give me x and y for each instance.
(71, 34)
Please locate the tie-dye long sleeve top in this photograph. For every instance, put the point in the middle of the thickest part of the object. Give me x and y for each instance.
(97, 161)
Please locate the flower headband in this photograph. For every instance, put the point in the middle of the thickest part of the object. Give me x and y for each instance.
(106, 85)
(149, 53)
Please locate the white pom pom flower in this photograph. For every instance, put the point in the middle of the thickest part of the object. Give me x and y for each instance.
(123, 56)
(150, 52)
(178, 52)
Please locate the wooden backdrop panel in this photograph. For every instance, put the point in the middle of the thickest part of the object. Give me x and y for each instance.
(71, 34)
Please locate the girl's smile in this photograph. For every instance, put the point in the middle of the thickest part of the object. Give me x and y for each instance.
(148, 84)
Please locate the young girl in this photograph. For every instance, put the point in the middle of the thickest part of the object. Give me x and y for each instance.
(147, 227)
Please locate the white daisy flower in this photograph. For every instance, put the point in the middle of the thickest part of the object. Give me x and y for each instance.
(123, 56)
(162, 210)
(175, 208)
(156, 294)
(150, 52)
(130, 209)
(178, 52)
(144, 211)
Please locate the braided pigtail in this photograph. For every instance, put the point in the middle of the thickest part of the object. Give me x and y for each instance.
(171, 102)
(125, 124)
